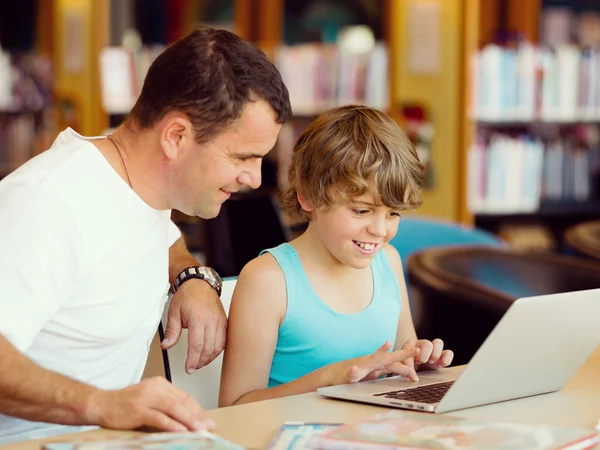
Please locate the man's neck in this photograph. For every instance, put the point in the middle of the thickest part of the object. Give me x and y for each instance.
(142, 163)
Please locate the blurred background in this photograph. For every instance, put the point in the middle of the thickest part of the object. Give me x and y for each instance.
(501, 98)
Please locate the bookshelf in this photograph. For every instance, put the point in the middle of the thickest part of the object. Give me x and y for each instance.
(435, 87)
(28, 113)
(533, 115)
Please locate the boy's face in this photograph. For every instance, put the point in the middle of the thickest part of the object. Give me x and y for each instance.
(354, 231)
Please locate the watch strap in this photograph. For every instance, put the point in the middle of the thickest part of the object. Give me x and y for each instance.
(187, 274)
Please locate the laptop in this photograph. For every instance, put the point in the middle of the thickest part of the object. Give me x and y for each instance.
(536, 348)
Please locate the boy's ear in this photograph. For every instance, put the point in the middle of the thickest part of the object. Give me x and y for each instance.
(305, 203)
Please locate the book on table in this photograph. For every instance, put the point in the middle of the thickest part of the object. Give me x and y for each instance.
(202, 440)
(408, 430)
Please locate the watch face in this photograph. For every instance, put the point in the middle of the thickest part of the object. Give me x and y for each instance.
(214, 273)
(213, 278)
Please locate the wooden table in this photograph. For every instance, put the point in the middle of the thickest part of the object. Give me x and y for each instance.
(252, 425)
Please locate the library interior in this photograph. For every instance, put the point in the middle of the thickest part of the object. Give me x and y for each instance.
(500, 100)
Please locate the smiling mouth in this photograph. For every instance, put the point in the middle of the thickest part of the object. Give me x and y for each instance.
(367, 246)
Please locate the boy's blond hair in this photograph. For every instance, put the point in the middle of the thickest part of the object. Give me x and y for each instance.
(350, 151)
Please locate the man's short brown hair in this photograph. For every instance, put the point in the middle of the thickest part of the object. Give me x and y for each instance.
(350, 151)
(209, 75)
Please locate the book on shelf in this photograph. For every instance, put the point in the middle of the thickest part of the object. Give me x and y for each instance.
(28, 118)
(122, 74)
(409, 430)
(318, 76)
(517, 173)
(528, 83)
(321, 76)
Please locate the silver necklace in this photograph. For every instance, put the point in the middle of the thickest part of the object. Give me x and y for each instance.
(122, 160)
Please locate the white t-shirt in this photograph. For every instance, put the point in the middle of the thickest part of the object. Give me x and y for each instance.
(83, 270)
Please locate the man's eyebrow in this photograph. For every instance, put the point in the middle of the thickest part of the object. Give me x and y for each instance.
(249, 156)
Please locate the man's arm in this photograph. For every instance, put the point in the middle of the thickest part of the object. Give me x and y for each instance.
(197, 307)
(179, 259)
(30, 392)
(33, 393)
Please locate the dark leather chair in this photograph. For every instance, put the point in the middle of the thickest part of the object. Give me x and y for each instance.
(247, 224)
(584, 239)
(460, 293)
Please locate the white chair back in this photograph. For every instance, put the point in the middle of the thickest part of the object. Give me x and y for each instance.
(203, 384)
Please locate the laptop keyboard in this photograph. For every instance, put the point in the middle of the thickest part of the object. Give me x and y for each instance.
(431, 393)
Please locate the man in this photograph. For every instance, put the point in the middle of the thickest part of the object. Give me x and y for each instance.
(88, 252)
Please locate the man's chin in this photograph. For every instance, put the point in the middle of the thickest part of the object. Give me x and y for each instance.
(206, 215)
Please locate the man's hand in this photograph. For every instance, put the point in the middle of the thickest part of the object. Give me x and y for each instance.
(371, 367)
(197, 307)
(431, 356)
(154, 402)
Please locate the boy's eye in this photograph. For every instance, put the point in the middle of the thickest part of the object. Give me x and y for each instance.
(360, 212)
(395, 214)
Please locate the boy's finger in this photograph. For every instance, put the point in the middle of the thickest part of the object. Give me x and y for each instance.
(426, 350)
(436, 353)
(404, 370)
(447, 357)
(410, 344)
(384, 348)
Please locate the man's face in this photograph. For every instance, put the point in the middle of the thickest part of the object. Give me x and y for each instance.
(231, 160)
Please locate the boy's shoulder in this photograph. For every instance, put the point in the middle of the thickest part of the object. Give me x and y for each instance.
(263, 267)
(391, 253)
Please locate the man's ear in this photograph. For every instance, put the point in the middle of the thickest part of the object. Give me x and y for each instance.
(177, 136)
(305, 203)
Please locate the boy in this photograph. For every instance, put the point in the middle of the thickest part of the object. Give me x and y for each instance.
(326, 308)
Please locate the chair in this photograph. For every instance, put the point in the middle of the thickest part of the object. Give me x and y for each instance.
(460, 293)
(584, 239)
(415, 234)
(247, 224)
(204, 383)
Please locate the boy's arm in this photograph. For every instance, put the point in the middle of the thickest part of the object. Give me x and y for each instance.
(257, 309)
(406, 329)
(432, 354)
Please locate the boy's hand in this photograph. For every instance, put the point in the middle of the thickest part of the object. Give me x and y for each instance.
(371, 367)
(432, 354)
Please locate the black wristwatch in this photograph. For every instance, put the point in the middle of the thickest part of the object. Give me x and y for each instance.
(207, 274)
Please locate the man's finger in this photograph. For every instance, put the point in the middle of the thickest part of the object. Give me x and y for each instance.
(182, 407)
(195, 346)
(173, 330)
(222, 341)
(208, 348)
(161, 421)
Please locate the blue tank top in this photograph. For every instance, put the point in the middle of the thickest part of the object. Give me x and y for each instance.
(313, 335)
